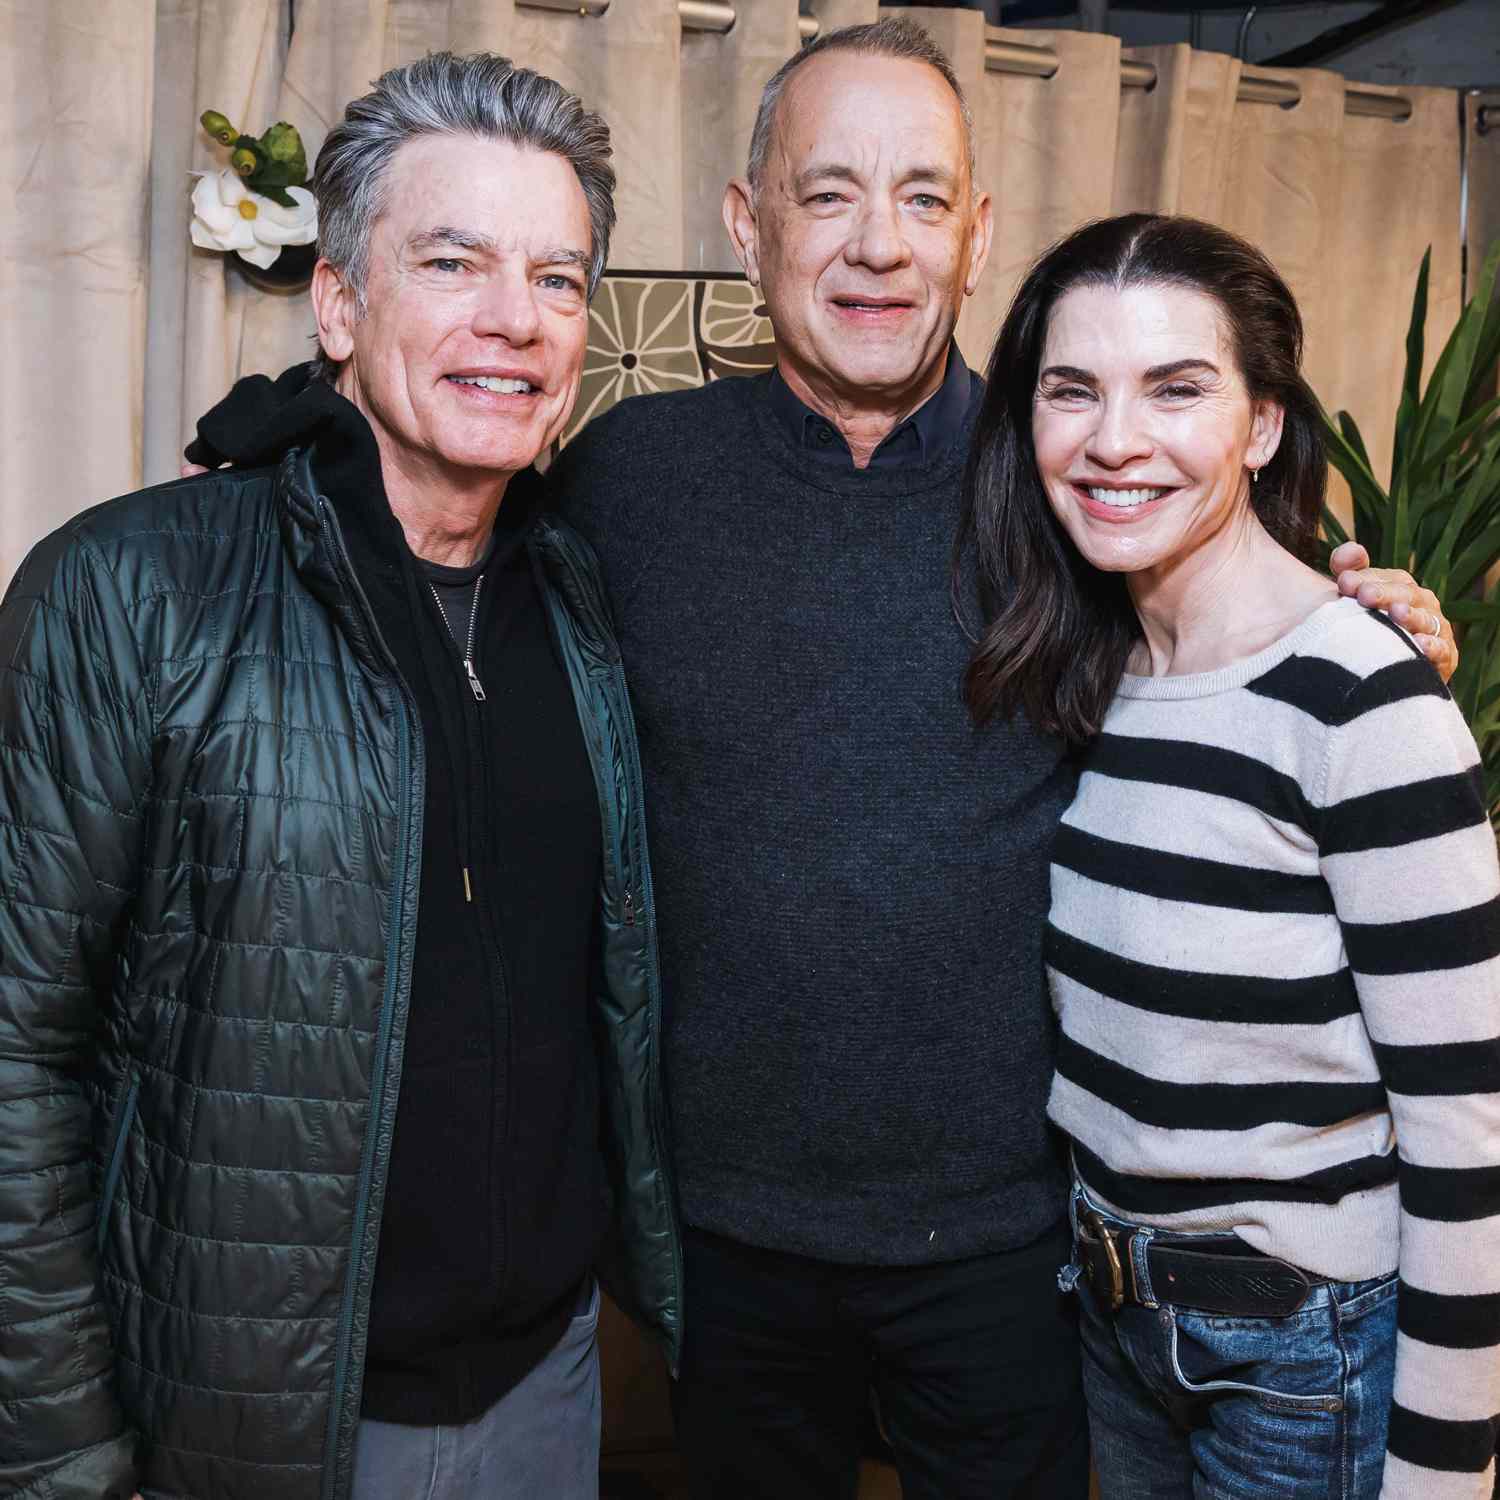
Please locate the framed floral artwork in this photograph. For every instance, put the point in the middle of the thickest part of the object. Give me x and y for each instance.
(669, 331)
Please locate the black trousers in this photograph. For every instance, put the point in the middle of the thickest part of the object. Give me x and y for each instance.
(975, 1365)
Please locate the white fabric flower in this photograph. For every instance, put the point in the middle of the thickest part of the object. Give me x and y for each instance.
(228, 216)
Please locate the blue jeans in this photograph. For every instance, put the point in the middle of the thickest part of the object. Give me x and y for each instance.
(1186, 1405)
(540, 1439)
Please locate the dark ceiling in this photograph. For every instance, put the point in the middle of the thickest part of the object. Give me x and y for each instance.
(1382, 17)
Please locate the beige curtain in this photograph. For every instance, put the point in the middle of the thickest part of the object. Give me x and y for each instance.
(1046, 155)
(832, 14)
(227, 55)
(75, 142)
(1176, 138)
(721, 82)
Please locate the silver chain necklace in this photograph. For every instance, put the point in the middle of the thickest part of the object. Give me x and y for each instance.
(467, 649)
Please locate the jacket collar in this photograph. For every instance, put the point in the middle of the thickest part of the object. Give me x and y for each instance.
(314, 542)
(568, 568)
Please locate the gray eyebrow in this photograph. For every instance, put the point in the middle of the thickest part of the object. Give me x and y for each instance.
(562, 256)
(445, 236)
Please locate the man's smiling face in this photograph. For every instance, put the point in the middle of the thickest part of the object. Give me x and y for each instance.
(868, 230)
(467, 358)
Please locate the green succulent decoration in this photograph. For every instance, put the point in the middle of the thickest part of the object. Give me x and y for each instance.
(1440, 518)
(269, 164)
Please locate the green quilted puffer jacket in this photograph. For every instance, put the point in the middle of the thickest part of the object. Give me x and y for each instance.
(211, 791)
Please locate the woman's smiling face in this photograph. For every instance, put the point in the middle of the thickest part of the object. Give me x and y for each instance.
(1143, 429)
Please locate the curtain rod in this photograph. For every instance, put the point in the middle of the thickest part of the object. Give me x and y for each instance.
(1016, 57)
(1255, 88)
(694, 15)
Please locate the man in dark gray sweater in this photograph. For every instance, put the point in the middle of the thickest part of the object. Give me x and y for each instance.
(852, 880)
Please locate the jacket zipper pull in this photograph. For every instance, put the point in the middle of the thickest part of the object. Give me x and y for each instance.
(468, 889)
(629, 908)
(474, 681)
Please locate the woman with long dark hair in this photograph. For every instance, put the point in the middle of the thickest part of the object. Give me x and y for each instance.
(1279, 1055)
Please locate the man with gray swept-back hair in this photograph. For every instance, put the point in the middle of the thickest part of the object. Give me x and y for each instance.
(328, 978)
(487, 98)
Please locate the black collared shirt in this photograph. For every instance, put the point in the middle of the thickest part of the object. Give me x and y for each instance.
(920, 438)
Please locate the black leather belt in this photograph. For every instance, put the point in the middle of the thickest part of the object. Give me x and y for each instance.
(1216, 1281)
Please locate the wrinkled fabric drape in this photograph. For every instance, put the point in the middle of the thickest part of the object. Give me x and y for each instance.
(721, 84)
(227, 55)
(75, 143)
(1046, 155)
(832, 14)
(1175, 139)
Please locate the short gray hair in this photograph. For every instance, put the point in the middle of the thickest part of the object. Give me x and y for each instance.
(894, 36)
(483, 95)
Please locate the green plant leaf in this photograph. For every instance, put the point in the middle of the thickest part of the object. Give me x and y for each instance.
(1473, 516)
(1475, 560)
(1440, 515)
(1462, 434)
(282, 144)
(1349, 430)
(1411, 379)
(1453, 376)
(1473, 612)
(1473, 323)
(1371, 504)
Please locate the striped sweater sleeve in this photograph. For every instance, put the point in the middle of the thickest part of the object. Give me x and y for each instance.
(1409, 855)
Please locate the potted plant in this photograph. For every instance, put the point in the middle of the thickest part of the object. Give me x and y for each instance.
(1440, 517)
(259, 208)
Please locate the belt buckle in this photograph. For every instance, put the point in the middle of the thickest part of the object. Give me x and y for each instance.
(1112, 1256)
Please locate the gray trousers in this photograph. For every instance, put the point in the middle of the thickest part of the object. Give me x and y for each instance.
(540, 1441)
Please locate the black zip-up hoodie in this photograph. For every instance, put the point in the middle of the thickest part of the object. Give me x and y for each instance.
(495, 1202)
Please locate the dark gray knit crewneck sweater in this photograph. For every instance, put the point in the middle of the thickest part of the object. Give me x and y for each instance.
(851, 881)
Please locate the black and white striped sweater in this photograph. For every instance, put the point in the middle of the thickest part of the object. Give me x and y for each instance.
(1274, 950)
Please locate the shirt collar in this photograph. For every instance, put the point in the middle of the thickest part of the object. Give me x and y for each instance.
(918, 439)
